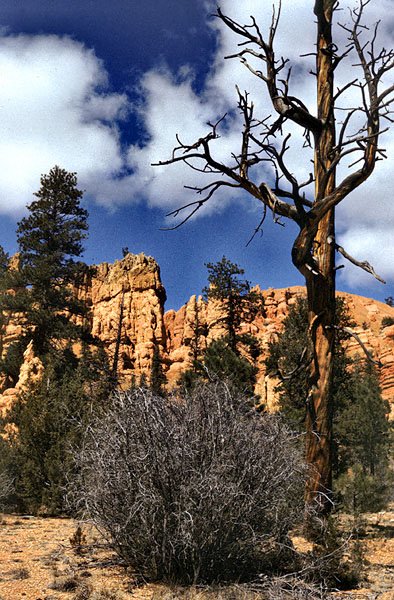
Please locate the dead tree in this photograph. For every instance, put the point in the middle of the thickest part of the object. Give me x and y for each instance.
(115, 362)
(334, 135)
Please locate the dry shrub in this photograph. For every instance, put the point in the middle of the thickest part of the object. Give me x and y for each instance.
(78, 540)
(280, 588)
(225, 593)
(65, 583)
(105, 594)
(21, 573)
(86, 592)
(6, 487)
(194, 489)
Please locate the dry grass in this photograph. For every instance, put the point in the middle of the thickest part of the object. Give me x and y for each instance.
(42, 549)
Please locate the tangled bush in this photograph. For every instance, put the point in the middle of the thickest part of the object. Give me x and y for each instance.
(6, 488)
(192, 489)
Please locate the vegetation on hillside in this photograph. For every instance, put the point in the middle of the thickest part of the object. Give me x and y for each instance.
(39, 293)
(361, 439)
(231, 357)
(196, 486)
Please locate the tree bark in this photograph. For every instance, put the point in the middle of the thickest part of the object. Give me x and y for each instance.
(321, 286)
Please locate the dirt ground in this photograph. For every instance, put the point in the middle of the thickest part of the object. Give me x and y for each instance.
(40, 559)
(50, 559)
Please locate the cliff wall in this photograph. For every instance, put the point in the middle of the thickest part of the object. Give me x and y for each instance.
(128, 297)
(366, 313)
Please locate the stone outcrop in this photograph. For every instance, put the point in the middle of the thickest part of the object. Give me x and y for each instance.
(31, 372)
(131, 286)
(127, 298)
(365, 312)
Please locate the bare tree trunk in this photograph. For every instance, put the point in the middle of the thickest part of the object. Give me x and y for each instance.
(321, 287)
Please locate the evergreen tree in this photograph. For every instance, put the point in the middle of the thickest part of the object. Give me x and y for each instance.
(50, 238)
(290, 355)
(4, 259)
(238, 302)
(365, 435)
(222, 358)
(199, 330)
(361, 441)
(157, 376)
(389, 301)
(50, 418)
(221, 362)
(10, 279)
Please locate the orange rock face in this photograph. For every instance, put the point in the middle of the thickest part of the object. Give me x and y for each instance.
(131, 286)
(365, 312)
(128, 297)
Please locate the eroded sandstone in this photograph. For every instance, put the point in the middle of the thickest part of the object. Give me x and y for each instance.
(127, 297)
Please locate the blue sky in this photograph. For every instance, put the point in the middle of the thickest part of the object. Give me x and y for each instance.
(101, 88)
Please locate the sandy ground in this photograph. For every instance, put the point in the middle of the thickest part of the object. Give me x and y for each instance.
(38, 561)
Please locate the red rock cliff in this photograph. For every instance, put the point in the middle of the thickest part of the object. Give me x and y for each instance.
(135, 283)
(366, 313)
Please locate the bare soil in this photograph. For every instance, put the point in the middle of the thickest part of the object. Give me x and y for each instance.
(49, 559)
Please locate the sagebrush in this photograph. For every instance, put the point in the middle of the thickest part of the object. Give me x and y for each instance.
(192, 489)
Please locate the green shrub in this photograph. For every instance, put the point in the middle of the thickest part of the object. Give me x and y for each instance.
(387, 321)
(49, 418)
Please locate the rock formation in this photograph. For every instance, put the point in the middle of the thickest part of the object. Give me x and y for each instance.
(127, 297)
(127, 302)
(131, 286)
(366, 313)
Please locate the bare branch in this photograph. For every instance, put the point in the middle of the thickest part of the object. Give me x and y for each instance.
(247, 112)
(259, 226)
(362, 264)
(287, 106)
(212, 187)
(344, 88)
(301, 364)
(353, 334)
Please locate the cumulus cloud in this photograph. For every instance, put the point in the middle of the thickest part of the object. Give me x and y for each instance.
(55, 108)
(171, 105)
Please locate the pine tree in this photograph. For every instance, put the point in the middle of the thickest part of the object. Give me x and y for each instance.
(4, 259)
(50, 238)
(364, 432)
(289, 358)
(389, 301)
(12, 298)
(50, 419)
(222, 358)
(221, 362)
(238, 302)
(157, 376)
(361, 441)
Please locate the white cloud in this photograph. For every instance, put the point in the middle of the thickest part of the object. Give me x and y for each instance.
(364, 244)
(172, 107)
(54, 109)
